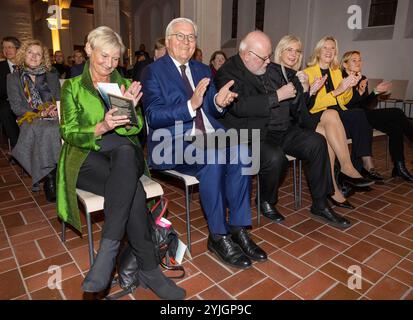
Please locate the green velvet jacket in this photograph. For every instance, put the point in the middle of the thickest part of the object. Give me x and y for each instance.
(81, 109)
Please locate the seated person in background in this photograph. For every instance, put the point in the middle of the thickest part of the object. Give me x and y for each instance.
(33, 91)
(289, 53)
(101, 154)
(142, 60)
(160, 49)
(197, 56)
(392, 121)
(267, 103)
(335, 94)
(78, 63)
(7, 117)
(61, 67)
(178, 90)
(218, 58)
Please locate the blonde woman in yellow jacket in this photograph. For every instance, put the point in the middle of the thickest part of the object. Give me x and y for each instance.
(335, 94)
(289, 54)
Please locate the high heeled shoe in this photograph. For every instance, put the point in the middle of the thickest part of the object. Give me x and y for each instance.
(346, 204)
(161, 285)
(355, 182)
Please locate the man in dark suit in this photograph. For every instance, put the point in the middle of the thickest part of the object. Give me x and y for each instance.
(269, 102)
(7, 117)
(181, 101)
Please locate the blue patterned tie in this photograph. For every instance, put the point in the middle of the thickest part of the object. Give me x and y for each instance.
(199, 121)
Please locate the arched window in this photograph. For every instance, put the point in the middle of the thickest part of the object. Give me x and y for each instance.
(259, 14)
(234, 31)
(382, 13)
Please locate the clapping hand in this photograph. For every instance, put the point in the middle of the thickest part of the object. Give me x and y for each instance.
(317, 84)
(225, 96)
(286, 92)
(303, 77)
(383, 87)
(133, 92)
(199, 92)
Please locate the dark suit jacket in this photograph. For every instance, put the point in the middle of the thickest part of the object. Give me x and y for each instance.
(165, 102)
(252, 108)
(4, 71)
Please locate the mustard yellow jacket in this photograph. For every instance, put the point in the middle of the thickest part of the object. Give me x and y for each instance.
(324, 99)
(81, 109)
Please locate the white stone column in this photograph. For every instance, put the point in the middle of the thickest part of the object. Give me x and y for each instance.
(106, 13)
(207, 14)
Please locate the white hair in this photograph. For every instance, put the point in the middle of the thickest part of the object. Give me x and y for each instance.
(105, 37)
(168, 31)
(242, 46)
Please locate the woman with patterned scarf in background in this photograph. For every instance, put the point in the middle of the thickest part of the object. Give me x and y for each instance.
(33, 90)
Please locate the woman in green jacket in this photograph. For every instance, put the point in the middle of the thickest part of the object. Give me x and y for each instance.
(101, 154)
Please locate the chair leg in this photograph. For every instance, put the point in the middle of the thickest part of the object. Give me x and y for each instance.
(63, 237)
(386, 145)
(258, 201)
(90, 238)
(300, 186)
(295, 184)
(188, 221)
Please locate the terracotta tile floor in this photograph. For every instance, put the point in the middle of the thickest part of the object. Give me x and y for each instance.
(307, 259)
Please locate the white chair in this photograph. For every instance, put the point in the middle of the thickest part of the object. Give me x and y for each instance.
(93, 203)
(189, 182)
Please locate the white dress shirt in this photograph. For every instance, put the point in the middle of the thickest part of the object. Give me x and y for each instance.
(11, 64)
(208, 126)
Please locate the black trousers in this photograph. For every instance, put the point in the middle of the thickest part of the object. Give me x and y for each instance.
(115, 175)
(304, 144)
(8, 121)
(396, 125)
(360, 132)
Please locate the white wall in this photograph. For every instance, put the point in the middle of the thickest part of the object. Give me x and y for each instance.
(16, 19)
(388, 59)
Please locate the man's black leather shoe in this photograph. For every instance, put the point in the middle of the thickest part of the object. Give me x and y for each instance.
(229, 252)
(355, 182)
(271, 212)
(250, 248)
(332, 218)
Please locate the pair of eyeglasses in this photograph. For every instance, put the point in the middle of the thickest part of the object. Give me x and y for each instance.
(182, 37)
(264, 59)
(291, 50)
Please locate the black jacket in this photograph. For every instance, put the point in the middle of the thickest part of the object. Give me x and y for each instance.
(4, 71)
(252, 108)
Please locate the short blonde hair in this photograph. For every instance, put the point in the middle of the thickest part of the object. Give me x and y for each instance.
(103, 37)
(21, 53)
(346, 57)
(283, 45)
(315, 58)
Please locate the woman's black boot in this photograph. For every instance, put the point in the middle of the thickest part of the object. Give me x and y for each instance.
(99, 276)
(161, 285)
(400, 170)
(49, 186)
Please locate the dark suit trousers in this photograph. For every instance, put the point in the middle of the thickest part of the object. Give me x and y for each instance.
(311, 148)
(395, 124)
(8, 121)
(115, 176)
(222, 185)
